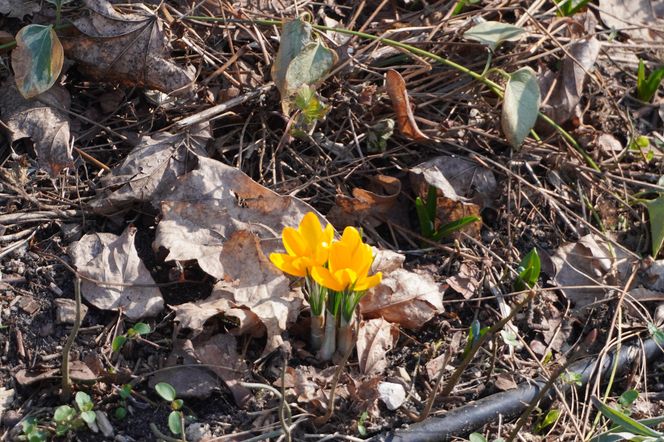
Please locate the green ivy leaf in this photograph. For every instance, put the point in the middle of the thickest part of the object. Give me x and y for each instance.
(493, 33)
(37, 60)
(520, 106)
(166, 391)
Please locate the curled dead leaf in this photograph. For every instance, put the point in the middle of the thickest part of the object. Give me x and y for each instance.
(130, 48)
(375, 338)
(42, 121)
(396, 89)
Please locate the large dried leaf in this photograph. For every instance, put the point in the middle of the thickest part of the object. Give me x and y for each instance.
(295, 35)
(150, 171)
(18, 8)
(396, 89)
(568, 82)
(634, 17)
(374, 339)
(251, 290)
(41, 120)
(520, 106)
(114, 260)
(213, 201)
(37, 59)
(407, 298)
(128, 48)
(590, 262)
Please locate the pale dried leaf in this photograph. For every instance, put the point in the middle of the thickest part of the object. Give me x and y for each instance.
(396, 89)
(505, 381)
(150, 171)
(589, 262)
(466, 281)
(41, 120)
(114, 260)
(568, 87)
(374, 339)
(18, 8)
(128, 48)
(406, 298)
(636, 18)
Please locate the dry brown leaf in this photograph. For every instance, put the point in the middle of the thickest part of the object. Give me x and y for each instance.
(220, 352)
(114, 260)
(636, 18)
(396, 89)
(5, 37)
(40, 120)
(568, 82)
(374, 204)
(466, 281)
(589, 262)
(505, 381)
(375, 338)
(128, 48)
(189, 381)
(150, 171)
(406, 298)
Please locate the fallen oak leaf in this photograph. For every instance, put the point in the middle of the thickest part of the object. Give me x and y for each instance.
(396, 89)
(375, 338)
(373, 205)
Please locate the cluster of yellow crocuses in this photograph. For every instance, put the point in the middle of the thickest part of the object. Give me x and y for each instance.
(336, 273)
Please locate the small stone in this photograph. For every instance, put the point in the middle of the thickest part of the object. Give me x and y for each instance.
(198, 431)
(104, 424)
(65, 312)
(393, 395)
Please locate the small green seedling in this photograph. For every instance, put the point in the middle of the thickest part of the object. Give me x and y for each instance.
(66, 418)
(529, 271)
(476, 331)
(641, 144)
(32, 432)
(139, 329)
(176, 417)
(627, 428)
(460, 4)
(478, 437)
(626, 400)
(125, 393)
(656, 333)
(311, 108)
(646, 86)
(550, 418)
(571, 378)
(426, 214)
(567, 8)
(361, 427)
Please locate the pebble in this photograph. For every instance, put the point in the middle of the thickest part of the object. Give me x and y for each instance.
(65, 311)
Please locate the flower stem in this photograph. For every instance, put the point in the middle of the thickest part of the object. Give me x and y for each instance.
(330, 338)
(345, 340)
(317, 331)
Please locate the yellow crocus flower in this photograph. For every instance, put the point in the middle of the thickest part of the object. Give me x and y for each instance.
(348, 265)
(306, 247)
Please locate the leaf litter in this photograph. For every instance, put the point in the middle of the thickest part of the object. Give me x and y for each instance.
(173, 210)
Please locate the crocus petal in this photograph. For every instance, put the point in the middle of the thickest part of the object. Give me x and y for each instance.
(284, 263)
(325, 278)
(294, 243)
(311, 230)
(369, 282)
(340, 256)
(351, 237)
(328, 235)
(347, 277)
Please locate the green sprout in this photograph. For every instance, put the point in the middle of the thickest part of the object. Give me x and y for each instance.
(528, 271)
(66, 418)
(176, 417)
(426, 214)
(134, 333)
(567, 8)
(646, 85)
